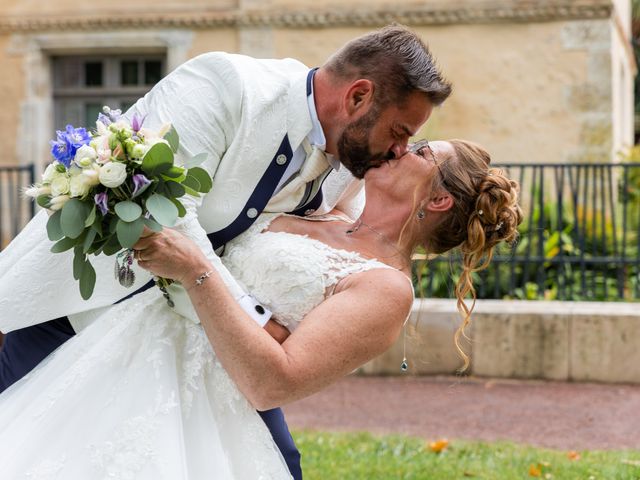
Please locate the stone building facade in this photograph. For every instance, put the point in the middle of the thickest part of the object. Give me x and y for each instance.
(535, 80)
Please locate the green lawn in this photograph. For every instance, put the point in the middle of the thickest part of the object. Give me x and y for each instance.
(345, 456)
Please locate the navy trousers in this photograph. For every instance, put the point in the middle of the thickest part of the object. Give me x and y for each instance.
(23, 349)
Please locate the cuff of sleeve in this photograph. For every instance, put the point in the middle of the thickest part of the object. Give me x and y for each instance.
(255, 310)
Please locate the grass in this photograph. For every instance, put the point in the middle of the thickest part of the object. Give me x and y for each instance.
(347, 456)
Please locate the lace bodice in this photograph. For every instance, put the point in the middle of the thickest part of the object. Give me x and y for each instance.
(289, 273)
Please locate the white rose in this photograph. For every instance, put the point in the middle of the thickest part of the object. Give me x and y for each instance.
(78, 186)
(59, 185)
(58, 202)
(50, 173)
(85, 156)
(139, 151)
(113, 174)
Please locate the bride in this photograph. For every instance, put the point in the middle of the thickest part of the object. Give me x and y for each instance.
(140, 393)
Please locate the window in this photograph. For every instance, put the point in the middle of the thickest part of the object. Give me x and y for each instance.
(82, 85)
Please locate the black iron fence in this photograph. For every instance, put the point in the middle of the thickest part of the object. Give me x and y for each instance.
(580, 239)
(15, 208)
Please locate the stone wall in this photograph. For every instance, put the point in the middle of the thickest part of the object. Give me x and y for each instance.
(577, 341)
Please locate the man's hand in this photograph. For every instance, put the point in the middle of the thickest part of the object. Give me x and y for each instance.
(277, 331)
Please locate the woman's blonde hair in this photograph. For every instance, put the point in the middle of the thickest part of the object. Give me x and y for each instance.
(485, 212)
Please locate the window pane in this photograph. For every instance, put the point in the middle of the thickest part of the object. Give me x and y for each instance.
(152, 72)
(129, 72)
(91, 111)
(93, 74)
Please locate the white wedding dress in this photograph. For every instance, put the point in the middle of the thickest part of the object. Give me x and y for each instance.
(139, 393)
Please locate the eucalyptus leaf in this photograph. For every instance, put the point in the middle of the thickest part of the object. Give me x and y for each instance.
(88, 240)
(158, 159)
(74, 214)
(112, 245)
(174, 189)
(192, 182)
(63, 245)
(174, 172)
(162, 209)
(203, 178)
(112, 224)
(172, 137)
(152, 224)
(91, 218)
(190, 191)
(54, 230)
(79, 259)
(128, 211)
(97, 226)
(196, 160)
(43, 200)
(129, 232)
(87, 280)
(181, 210)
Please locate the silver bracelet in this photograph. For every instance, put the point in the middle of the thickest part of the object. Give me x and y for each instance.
(200, 280)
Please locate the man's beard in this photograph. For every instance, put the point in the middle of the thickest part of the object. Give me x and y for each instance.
(353, 145)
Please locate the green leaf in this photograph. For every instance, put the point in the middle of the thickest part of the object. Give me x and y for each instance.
(63, 245)
(43, 200)
(203, 178)
(88, 240)
(87, 280)
(174, 172)
(74, 214)
(91, 218)
(128, 211)
(152, 224)
(174, 189)
(192, 183)
(158, 159)
(79, 259)
(190, 191)
(172, 137)
(181, 210)
(54, 230)
(113, 223)
(129, 232)
(97, 225)
(196, 160)
(112, 246)
(163, 210)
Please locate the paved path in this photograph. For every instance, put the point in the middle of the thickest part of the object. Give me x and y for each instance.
(569, 416)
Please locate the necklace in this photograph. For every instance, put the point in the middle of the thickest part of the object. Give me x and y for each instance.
(359, 223)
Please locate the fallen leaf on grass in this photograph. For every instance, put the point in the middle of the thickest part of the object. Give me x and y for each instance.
(635, 463)
(439, 445)
(573, 455)
(535, 471)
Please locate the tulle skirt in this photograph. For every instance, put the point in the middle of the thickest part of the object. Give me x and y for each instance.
(138, 394)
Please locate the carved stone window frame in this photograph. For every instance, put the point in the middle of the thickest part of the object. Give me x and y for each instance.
(36, 109)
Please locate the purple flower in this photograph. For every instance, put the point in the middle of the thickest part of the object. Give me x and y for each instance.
(77, 137)
(101, 200)
(104, 119)
(136, 122)
(140, 184)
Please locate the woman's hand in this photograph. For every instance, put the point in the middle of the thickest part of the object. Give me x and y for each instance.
(169, 254)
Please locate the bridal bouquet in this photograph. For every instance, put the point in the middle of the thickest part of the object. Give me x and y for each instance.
(105, 186)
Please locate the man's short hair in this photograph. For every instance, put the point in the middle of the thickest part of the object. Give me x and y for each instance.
(396, 61)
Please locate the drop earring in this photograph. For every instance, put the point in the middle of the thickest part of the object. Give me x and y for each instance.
(420, 214)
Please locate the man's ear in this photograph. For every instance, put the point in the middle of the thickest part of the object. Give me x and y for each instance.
(359, 96)
(439, 202)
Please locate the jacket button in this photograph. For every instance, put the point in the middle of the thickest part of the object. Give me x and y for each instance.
(252, 213)
(260, 309)
(281, 159)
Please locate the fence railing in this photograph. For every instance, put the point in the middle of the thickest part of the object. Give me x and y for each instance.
(15, 209)
(580, 238)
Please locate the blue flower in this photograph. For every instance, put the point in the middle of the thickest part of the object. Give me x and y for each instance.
(77, 137)
(62, 150)
(101, 200)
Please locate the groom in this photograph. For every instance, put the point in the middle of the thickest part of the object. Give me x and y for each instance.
(279, 137)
